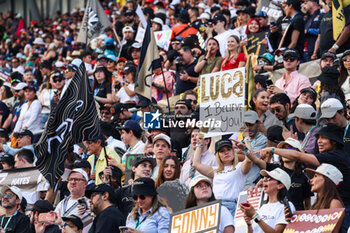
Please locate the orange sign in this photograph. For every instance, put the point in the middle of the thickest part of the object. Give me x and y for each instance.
(203, 218)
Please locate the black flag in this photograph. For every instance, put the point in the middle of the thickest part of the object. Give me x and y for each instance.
(72, 121)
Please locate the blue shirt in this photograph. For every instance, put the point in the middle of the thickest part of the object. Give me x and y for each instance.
(157, 222)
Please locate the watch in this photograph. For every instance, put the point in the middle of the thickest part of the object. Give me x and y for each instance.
(262, 67)
(256, 217)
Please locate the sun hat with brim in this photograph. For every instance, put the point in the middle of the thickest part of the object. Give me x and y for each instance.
(327, 170)
(13, 189)
(291, 142)
(141, 159)
(278, 174)
(158, 21)
(333, 132)
(221, 143)
(144, 186)
(195, 180)
(330, 107)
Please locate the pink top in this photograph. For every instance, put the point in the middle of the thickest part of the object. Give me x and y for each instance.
(158, 79)
(294, 86)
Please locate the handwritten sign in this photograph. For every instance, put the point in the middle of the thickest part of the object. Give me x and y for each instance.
(163, 39)
(204, 218)
(254, 43)
(315, 221)
(222, 99)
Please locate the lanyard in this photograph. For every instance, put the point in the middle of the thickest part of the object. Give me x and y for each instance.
(346, 130)
(8, 221)
(306, 136)
(20, 107)
(254, 140)
(97, 89)
(138, 223)
(128, 151)
(95, 162)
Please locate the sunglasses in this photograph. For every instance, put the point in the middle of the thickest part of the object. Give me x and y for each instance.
(142, 197)
(276, 109)
(175, 43)
(289, 58)
(8, 195)
(57, 80)
(345, 59)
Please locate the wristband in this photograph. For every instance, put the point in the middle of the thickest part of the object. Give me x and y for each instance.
(273, 150)
(246, 152)
(256, 218)
(335, 47)
(262, 68)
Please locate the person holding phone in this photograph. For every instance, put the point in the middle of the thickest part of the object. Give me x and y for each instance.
(201, 192)
(276, 184)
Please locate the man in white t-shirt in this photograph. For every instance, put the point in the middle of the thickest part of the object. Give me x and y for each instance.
(219, 22)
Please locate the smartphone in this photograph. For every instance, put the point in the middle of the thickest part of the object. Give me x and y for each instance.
(273, 23)
(286, 204)
(82, 202)
(243, 198)
(123, 229)
(245, 204)
(47, 217)
(269, 82)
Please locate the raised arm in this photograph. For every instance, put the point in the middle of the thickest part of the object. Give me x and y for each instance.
(197, 163)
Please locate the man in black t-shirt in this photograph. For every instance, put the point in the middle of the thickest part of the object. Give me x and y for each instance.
(294, 35)
(12, 220)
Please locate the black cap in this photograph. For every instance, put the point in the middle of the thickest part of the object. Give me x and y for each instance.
(31, 87)
(292, 52)
(219, 17)
(333, 132)
(329, 75)
(328, 54)
(26, 133)
(4, 133)
(185, 102)
(42, 206)
(81, 163)
(144, 186)
(274, 134)
(310, 90)
(8, 159)
(101, 188)
(243, 9)
(129, 69)
(46, 64)
(108, 129)
(221, 143)
(75, 220)
(141, 159)
(191, 41)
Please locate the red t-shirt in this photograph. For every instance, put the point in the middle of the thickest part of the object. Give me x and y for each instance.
(233, 63)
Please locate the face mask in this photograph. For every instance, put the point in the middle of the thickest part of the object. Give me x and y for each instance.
(262, 62)
(280, 59)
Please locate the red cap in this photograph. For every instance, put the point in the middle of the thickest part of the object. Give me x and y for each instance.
(149, 1)
(108, 12)
(34, 22)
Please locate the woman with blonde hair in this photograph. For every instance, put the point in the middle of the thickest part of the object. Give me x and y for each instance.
(229, 178)
(234, 58)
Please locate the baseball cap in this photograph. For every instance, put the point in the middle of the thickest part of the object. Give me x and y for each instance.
(144, 186)
(274, 133)
(13, 189)
(26, 133)
(185, 102)
(204, 15)
(195, 180)
(278, 174)
(112, 57)
(219, 17)
(261, 14)
(129, 69)
(8, 159)
(310, 90)
(330, 107)
(108, 41)
(19, 86)
(81, 171)
(42, 206)
(158, 21)
(141, 159)
(291, 142)
(221, 143)
(162, 137)
(81, 163)
(75, 220)
(131, 124)
(327, 170)
(328, 54)
(250, 117)
(304, 111)
(101, 188)
(243, 10)
(128, 29)
(292, 52)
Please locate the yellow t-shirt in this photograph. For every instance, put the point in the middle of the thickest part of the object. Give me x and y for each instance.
(101, 163)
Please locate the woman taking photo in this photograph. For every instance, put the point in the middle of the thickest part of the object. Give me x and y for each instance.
(260, 104)
(201, 193)
(102, 86)
(148, 215)
(30, 115)
(229, 178)
(275, 184)
(169, 169)
(211, 60)
(234, 58)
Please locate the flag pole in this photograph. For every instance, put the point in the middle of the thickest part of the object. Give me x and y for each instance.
(166, 89)
(120, 44)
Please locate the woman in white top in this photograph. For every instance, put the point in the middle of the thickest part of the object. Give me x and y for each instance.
(30, 116)
(201, 193)
(270, 218)
(229, 178)
(344, 79)
(127, 94)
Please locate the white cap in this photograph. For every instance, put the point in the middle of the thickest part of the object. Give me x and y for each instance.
(59, 64)
(278, 174)
(202, 5)
(291, 142)
(204, 15)
(330, 107)
(329, 171)
(250, 117)
(102, 37)
(158, 21)
(13, 189)
(195, 180)
(76, 62)
(162, 137)
(304, 111)
(128, 29)
(19, 86)
(39, 40)
(19, 15)
(81, 171)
